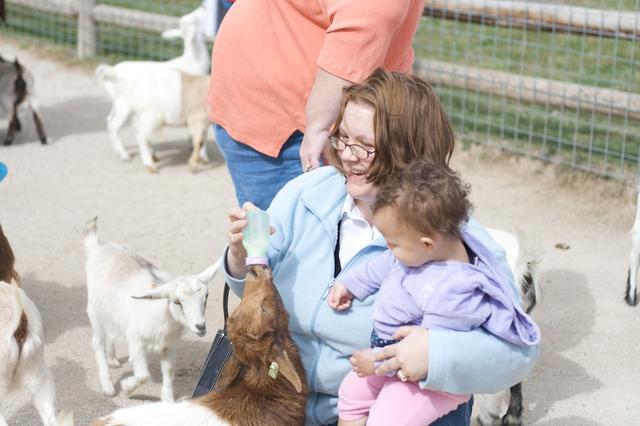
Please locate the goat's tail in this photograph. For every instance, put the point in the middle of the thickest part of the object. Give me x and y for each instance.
(105, 73)
(91, 234)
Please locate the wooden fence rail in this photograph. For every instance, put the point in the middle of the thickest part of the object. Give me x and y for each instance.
(559, 17)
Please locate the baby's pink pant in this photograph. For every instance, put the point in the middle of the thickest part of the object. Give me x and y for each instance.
(388, 401)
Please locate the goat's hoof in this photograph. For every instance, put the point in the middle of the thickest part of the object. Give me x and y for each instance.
(124, 156)
(109, 392)
(194, 168)
(154, 157)
(489, 420)
(631, 301)
(152, 169)
(129, 385)
(7, 142)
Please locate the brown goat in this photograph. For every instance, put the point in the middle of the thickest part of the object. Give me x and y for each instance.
(247, 394)
(259, 330)
(7, 261)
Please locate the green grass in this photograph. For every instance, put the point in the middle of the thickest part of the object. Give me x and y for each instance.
(594, 61)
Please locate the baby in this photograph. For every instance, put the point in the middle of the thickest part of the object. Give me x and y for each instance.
(434, 275)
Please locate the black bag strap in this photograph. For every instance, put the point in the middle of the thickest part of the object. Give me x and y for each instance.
(225, 304)
(337, 267)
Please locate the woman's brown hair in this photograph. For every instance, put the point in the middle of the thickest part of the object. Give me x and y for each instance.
(409, 122)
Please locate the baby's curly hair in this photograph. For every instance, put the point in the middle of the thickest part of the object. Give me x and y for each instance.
(428, 198)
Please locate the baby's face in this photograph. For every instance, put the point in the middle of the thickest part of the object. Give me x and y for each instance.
(404, 243)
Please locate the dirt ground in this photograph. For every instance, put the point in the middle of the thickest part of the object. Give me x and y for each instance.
(588, 370)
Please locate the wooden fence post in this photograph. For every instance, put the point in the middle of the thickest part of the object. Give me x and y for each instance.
(87, 31)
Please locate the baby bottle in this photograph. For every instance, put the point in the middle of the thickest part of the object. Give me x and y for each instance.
(255, 237)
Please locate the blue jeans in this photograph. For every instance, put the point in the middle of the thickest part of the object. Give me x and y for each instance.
(258, 177)
(460, 417)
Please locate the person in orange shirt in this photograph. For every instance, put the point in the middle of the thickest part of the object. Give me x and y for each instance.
(278, 69)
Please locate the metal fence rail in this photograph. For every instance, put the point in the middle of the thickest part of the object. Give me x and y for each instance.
(556, 81)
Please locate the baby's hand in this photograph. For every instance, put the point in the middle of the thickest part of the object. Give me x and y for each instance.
(339, 297)
(363, 362)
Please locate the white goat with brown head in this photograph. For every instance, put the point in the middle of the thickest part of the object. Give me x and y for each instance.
(22, 364)
(246, 393)
(131, 300)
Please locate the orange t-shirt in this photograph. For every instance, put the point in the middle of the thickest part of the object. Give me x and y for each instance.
(266, 55)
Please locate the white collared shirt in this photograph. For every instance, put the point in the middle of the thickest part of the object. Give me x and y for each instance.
(355, 231)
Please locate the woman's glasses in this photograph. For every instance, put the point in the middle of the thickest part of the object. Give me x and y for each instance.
(357, 150)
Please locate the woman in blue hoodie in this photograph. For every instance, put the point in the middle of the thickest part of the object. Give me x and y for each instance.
(323, 224)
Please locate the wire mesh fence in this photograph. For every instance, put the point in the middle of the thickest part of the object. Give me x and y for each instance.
(557, 81)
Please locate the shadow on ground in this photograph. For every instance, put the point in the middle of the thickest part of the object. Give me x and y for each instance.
(566, 308)
(55, 301)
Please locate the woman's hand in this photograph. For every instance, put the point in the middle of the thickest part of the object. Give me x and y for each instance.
(410, 356)
(311, 149)
(237, 254)
(339, 297)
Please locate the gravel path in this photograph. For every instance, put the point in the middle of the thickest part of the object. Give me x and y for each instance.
(587, 373)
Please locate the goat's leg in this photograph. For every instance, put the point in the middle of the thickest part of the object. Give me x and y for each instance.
(632, 279)
(168, 365)
(3, 422)
(513, 416)
(116, 119)
(492, 408)
(35, 112)
(112, 359)
(198, 127)
(145, 125)
(44, 393)
(98, 343)
(140, 370)
(14, 126)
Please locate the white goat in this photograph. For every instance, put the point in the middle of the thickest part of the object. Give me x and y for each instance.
(131, 300)
(156, 96)
(195, 58)
(634, 259)
(22, 364)
(162, 93)
(524, 267)
(263, 383)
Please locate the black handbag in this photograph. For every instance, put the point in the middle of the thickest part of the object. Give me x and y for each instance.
(219, 354)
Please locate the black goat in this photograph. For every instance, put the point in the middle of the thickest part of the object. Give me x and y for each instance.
(16, 86)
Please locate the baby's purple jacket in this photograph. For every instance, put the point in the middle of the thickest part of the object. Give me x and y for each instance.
(447, 295)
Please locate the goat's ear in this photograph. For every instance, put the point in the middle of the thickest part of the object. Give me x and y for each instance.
(286, 367)
(206, 275)
(159, 292)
